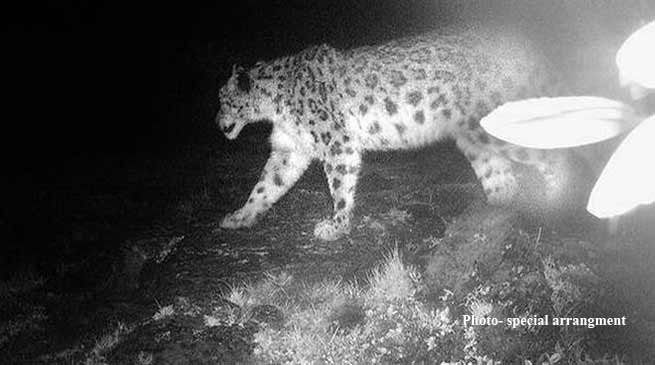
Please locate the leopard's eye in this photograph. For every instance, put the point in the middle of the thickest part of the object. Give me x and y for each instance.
(244, 83)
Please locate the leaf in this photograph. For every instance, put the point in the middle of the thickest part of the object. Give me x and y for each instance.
(636, 58)
(628, 179)
(559, 122)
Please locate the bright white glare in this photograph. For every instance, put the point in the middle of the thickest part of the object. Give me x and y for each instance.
(628, 179)
(562, 122)
(636, 58)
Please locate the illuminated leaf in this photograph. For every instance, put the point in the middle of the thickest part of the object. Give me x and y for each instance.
(636, 58)
(559, 122)
(628, 179)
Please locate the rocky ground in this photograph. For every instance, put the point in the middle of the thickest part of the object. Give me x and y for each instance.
(185, 291)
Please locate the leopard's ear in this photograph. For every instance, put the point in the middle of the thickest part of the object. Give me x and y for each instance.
(241, 78)
(244, 82)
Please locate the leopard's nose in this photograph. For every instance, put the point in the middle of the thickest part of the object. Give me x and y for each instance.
(225, 126)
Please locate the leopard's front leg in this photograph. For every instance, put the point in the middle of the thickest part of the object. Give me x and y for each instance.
(341, 168)
(282, 170)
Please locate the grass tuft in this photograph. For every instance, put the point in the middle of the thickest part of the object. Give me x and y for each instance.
(106, 343)
(333, 322)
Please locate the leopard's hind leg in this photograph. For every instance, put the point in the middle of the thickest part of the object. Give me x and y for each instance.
(494, 170)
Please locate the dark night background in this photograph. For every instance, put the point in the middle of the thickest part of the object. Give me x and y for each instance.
(96, 92)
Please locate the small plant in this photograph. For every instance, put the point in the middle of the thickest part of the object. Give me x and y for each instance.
(106, 343)
(626, 181)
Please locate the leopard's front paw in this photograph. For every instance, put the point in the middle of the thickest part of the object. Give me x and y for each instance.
(329, 230)
(239, 219)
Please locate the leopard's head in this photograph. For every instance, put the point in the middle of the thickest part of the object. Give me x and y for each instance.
(237, 103)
